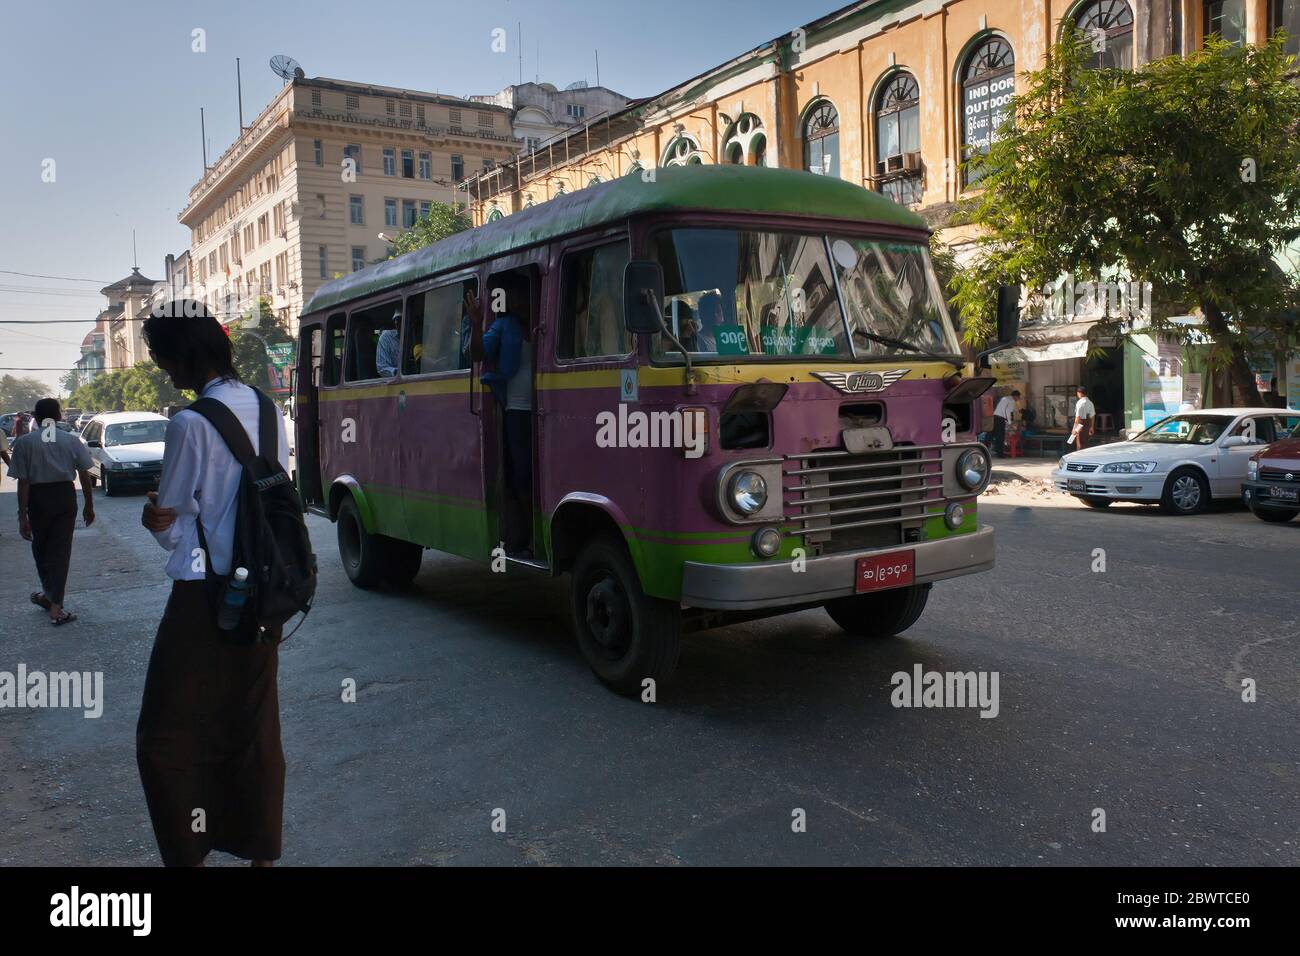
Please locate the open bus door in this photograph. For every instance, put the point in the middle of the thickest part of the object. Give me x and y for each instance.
(306, 415)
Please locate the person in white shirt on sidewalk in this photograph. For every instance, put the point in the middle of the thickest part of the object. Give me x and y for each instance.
(209, 728)
(1003, 414)
(1085, 419)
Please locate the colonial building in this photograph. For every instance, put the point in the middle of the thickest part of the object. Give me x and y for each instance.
(322, 180)
(540, 112)
(895, 95)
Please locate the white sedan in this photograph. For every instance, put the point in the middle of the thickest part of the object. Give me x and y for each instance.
(1180, 462)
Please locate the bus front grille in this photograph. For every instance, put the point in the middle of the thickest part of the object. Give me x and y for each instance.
(845, 502)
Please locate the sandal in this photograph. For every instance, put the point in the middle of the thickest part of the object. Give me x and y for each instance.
(40, 600)
(67, 616)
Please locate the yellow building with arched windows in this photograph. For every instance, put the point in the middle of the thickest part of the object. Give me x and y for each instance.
(891, 94)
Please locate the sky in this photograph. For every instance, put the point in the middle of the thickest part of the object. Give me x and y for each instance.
(110, 91)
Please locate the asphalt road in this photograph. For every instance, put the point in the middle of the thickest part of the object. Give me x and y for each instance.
(1118, 691)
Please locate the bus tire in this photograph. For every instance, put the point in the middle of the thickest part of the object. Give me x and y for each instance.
(360, 551)
(883, 614)
(400, 560)
(625, 635)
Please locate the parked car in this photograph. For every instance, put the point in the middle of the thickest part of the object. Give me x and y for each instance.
(82, 421)
(1181, 462)
(126, 449)
(1272, 487)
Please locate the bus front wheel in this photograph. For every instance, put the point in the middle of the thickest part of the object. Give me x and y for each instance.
(882, 614)
(373, 559)
(625, 635)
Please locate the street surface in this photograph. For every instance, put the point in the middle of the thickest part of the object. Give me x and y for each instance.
(1119, 691)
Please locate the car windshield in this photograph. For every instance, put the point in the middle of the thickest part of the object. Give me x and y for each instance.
(1187, 430)
(733, 292)
(134, 433)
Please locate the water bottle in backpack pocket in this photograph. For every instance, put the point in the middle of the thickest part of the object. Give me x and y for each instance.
(231, 610)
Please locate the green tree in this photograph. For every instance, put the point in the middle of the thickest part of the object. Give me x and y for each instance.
(72, 380)
(20, 393)
(249, 338)
(1185, 173)
(144, 387)
(441, 221)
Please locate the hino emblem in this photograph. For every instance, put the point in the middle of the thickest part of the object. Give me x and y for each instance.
(850, 383)
(1290, 476)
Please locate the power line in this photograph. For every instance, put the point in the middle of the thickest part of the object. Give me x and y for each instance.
(36, 275)
(37, 290)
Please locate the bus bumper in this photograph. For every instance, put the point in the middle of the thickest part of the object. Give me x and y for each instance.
(767, 584)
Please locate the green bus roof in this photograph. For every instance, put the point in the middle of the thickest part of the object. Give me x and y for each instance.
(720, 188)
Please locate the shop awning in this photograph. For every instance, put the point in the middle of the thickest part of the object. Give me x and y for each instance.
(1042, 353)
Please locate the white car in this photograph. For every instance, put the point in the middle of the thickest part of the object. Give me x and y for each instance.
(1180, 462)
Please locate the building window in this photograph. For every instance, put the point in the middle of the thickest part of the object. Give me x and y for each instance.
(426, 165)
(408, 164)
(1285, 15)
(682, 151)
(419, 113)
(390, 161)
(390, 107)
(425, 209)
(1227, 18)
(821, 139)
(356, 210)
(898, 139)
(318, 152)
(987, 85)
(390, 212)
(495, 213)
(404, 110)
(353, 102)
(324, 254)
(485, 120)
(358, 258)
(457, 168)
(1108, 26)
(576, 111)
(320, 204)
(532, 143)
(453, 117)
(408, 213)
(745, 143)
(352, 151)
(315, 97)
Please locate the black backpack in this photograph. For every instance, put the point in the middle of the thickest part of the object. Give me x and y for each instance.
(270, 535)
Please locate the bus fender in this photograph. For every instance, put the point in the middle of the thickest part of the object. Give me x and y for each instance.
(345, 484)
(581, 500)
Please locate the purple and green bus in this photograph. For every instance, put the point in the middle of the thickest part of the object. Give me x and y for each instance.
(747, 398)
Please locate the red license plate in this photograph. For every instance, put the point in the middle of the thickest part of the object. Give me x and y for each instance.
(881, 571)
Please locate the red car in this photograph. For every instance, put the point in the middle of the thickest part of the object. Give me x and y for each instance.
(1272, 486)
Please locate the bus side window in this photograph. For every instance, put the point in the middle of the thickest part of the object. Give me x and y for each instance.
(334, 328)
(591, 304)
(437, 329)
(316, 357)
(373, 350)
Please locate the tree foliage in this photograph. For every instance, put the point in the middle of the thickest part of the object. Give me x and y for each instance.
(141, 388)
(441, 221)
(20, 393)
(249, 338)
(1185, 173)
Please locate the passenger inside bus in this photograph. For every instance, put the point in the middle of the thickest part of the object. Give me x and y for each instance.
(506, 346)
(699, 331)
(372, 343)
(389, 348)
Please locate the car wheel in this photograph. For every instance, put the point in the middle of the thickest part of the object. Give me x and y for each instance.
(1186, 493)
(880, 615)
(625, 635)
(108, 484)
(1272, 515)
(1095, 502)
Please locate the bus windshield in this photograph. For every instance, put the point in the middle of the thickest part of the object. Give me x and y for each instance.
(733, 292)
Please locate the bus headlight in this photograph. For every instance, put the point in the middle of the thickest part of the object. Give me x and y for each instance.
(747, 492)
(972, 469)
(954, 515)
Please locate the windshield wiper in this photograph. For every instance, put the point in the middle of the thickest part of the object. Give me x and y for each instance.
(907, 346)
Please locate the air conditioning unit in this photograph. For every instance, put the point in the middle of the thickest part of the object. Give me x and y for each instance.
(912, 162)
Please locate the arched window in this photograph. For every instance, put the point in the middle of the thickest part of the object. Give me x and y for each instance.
(682, 151)
(495, 213)
(635, 168)
(595, 180)
(1227, 18)
(1285, 15)
(898, 139)
(1108, 26)
(745, 142)
(821, 139)
(987, 84)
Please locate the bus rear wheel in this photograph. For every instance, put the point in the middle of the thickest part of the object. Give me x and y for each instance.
(882, 614)
(625, 635)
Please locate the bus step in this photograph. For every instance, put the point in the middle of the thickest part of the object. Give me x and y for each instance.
(532, 563)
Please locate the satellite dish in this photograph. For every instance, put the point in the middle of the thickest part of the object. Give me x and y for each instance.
(577, 85)
(285, 67)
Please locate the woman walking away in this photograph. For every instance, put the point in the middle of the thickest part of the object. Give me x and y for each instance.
(208, 739)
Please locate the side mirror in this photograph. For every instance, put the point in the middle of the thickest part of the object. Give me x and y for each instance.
(93, 443)
(1008, 314)
(1235, 441)
(643, 296)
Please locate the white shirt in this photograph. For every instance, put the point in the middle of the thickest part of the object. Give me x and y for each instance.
(1006, 408)
(1084, 408)
(200, 477)
(519, 390)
